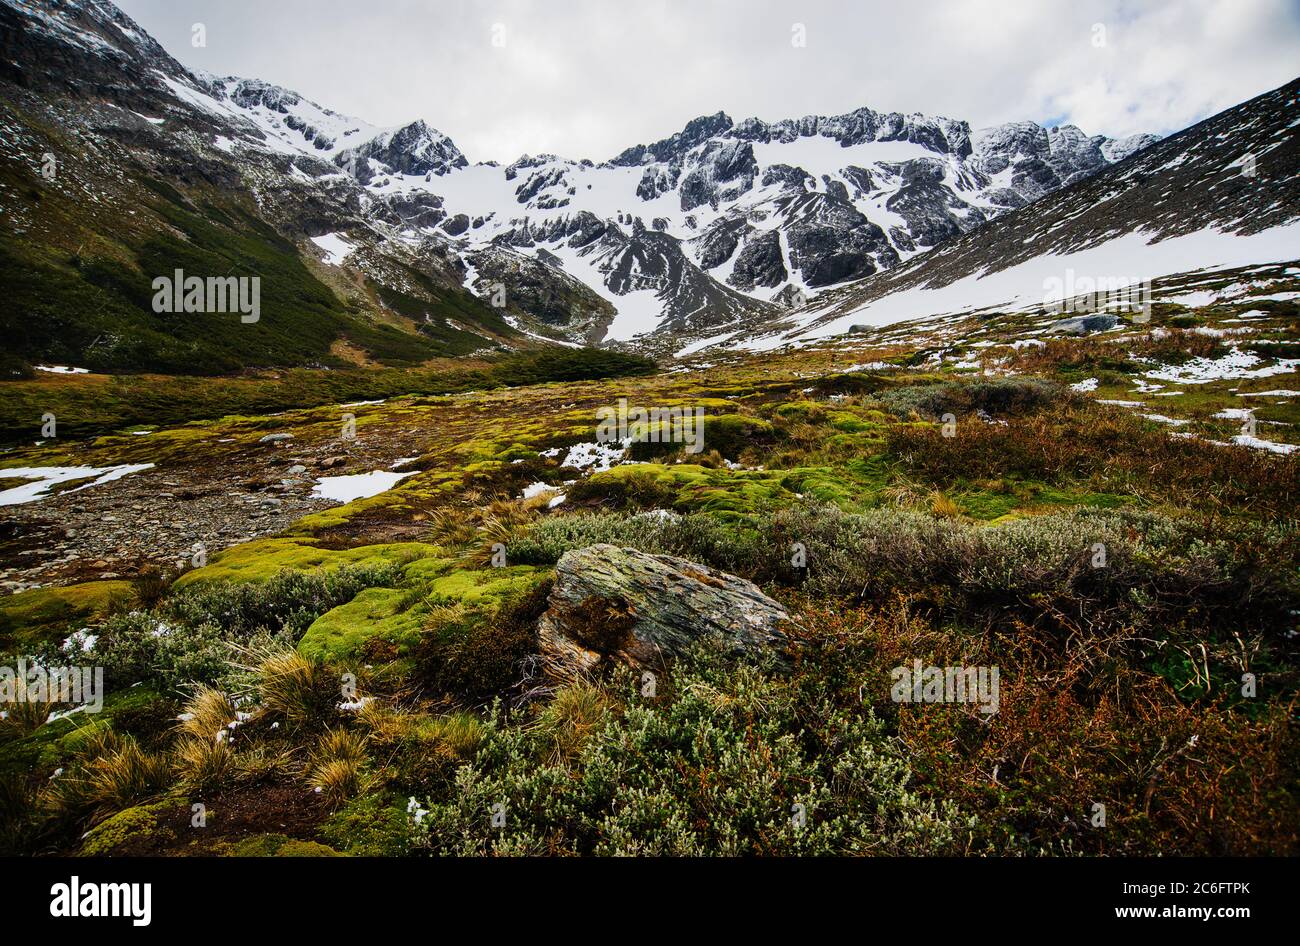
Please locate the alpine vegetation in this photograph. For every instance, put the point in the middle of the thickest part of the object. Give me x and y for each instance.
(866, 484)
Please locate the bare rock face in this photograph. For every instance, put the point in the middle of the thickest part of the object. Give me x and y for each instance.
(612, 603)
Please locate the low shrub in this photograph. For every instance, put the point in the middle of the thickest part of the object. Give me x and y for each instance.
(729, 762)
(1090, 571)
(1000, 396)
(192, 635)
(287, 601)
(141, 647)
(1112, 450)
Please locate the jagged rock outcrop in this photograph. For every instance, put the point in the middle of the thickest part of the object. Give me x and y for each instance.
(618, 604)
(723, 171)
(760, 263)
(830, 241)
(1232, 175)
(696, 131)
(539, 287)
(416, 149)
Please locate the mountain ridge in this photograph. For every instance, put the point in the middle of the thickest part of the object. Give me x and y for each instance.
(1193, 186)
(720, 224)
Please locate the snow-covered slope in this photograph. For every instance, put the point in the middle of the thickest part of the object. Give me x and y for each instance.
(1222, 194)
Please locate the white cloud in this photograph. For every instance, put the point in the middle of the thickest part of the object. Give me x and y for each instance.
(587, 78)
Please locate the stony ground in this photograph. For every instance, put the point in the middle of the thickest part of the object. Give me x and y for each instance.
(226, 487)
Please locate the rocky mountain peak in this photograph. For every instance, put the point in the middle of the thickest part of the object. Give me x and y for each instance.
(413, 149)
(88, 46)
(697, 130)
(249, 93)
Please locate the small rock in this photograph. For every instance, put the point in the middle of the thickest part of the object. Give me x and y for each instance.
(276, 438)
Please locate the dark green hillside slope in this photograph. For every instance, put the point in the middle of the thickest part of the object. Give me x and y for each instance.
(93, 308)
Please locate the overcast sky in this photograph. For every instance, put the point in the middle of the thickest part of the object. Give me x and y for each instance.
(587, 78)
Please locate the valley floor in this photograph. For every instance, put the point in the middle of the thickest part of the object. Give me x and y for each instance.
(366, 677)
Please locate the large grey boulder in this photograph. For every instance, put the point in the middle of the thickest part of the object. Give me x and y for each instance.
(1085, 324)
(618, 604)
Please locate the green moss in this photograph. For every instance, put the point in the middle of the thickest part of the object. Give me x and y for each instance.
(809, 412)
(484, 585)
(423, 570)
(296, 848)
(141, 821)
(277, 845)
(260, 559)
(41, 615)
(681, 486)
(823, 484)
(382, 613)
(1016, 497)
(729, 434)
(851, 422)
(473, 648)
(370, 826)
(50, 745)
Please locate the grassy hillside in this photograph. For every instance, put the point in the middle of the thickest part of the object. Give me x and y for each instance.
(77, 285)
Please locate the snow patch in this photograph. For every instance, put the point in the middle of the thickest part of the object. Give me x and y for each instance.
(44, 478)
(334, 246)
(344, 489)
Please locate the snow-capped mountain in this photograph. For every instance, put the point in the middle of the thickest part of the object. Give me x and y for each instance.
(1224, 193)
(721, 218)
(721, 221)
(721, 230)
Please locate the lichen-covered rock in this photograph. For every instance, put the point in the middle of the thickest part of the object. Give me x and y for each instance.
(612, 603)
(1085, 324)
